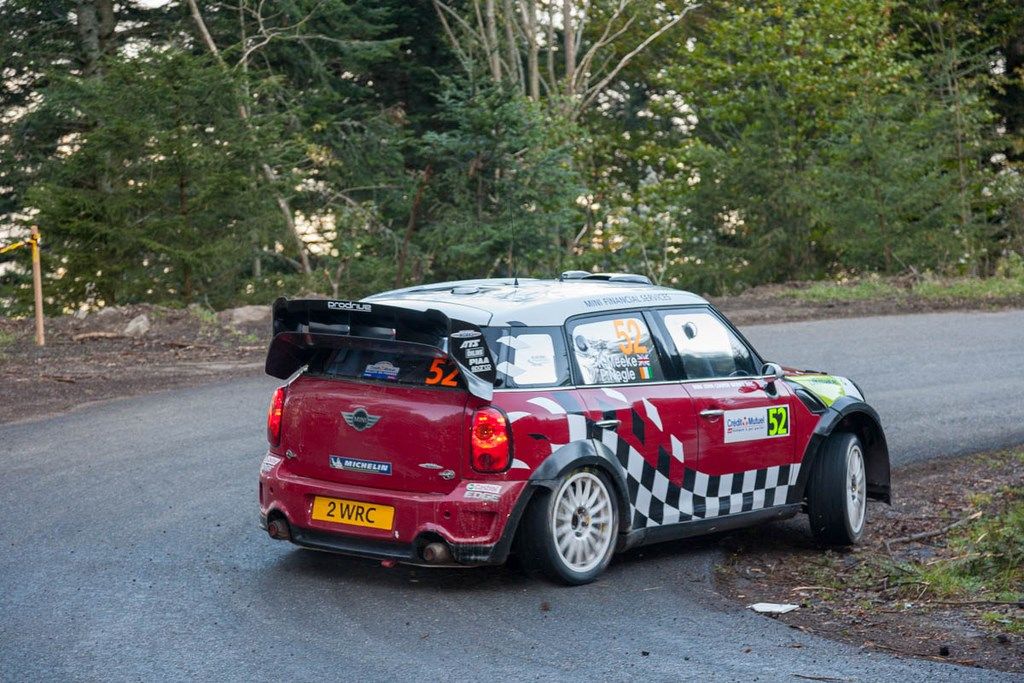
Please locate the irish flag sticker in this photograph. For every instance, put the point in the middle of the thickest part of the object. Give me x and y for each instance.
(645, 373)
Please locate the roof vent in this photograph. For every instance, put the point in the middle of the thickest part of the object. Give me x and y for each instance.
(619, 277)
(574, 275)
(465, 290)
(629, 277)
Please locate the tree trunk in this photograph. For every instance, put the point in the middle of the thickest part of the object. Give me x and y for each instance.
(569, 37)
(410, 228)
(515, 65)
(532, 54)
(88, 25)
(493, 53)
(551, 50)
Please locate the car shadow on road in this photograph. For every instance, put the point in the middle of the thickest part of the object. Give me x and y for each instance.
(328, 566)
(693, 557)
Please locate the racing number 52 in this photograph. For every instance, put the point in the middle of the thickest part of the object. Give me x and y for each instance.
(437, 374)
(629, 332)
(778, 421)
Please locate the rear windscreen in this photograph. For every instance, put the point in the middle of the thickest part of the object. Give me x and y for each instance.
(392, 367)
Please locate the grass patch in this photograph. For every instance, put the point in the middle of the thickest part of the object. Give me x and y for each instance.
(1007, 623)
(986, 557)
(864, 290)
(929, 288)
(974, 289)
(205, 316)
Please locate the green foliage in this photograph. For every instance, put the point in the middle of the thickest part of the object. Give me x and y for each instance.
(802, 139)
(752, 142)
(154, 199)
(884, 198)
(988, 558)
(505, 187)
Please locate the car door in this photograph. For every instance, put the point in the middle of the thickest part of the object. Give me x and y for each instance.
(745, 432)
(642, 414)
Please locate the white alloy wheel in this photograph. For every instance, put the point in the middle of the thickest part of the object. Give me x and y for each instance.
(582, 521)
(856, 494)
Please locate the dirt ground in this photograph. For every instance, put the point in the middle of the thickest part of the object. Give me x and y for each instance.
(862, 597)
(91, 359)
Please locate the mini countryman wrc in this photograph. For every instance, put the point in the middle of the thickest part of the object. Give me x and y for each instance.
(562, 420)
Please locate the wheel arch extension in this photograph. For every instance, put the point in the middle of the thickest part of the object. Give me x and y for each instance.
(857, 417)
(586, 453)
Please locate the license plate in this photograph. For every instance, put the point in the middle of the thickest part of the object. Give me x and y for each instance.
(353, 512)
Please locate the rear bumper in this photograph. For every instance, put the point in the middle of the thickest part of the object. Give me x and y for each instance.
(476, 531)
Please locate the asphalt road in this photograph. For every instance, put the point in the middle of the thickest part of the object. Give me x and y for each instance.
(130, 548)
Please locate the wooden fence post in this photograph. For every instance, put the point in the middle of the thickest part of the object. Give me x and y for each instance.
(37, 286)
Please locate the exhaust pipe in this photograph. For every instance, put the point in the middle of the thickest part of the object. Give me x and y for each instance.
(437, 553)
(278, 529)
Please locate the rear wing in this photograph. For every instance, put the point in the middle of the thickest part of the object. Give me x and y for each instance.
(304, 326)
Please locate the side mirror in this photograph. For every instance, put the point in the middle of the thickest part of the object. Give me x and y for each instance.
(771, 372)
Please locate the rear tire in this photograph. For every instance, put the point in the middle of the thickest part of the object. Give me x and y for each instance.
(569, 534)
(837, 492)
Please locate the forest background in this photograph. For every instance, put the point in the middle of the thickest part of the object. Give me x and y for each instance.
(223, 153)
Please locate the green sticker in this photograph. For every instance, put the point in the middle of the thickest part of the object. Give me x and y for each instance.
(828, 388)
(778, 421)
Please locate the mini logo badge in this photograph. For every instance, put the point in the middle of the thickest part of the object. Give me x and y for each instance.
(359, 419)
(339, 462)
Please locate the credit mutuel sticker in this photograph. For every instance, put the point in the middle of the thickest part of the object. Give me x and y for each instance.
(752, 424)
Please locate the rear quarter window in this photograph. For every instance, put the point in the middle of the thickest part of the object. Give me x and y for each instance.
(529, 356)
(615, 349)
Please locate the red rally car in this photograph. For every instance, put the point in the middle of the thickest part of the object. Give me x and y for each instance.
(564, 420)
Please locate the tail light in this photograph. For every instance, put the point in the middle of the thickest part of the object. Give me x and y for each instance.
(274, 417)
(491, 447)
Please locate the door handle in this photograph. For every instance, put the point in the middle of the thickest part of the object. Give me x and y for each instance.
(608, 424)
(712, 413)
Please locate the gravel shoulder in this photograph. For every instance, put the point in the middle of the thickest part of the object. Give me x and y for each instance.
(98, 357)
(94, 358)
(917, 584)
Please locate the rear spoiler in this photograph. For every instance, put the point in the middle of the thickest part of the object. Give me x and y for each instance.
(304, 326)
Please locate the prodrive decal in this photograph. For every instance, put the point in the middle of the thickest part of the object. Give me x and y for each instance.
(349, 306)
(752, 424)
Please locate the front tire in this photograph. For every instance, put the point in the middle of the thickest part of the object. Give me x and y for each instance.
(569, 534)
(837, 492)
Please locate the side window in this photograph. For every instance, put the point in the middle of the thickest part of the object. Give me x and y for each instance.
(531, 357)
(706, 346)
(615, 350)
